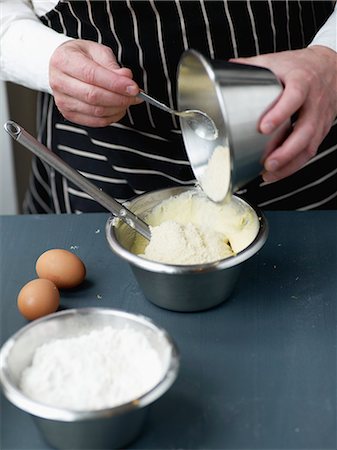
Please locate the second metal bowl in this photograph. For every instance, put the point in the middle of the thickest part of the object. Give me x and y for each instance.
(96, 429)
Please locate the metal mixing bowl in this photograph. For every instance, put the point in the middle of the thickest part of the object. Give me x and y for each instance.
(181, 287)
(235, 96)
(70, 429)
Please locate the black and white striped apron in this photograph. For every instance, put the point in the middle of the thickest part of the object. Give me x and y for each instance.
(144, 151)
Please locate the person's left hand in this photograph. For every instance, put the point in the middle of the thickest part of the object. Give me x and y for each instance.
(309, 77)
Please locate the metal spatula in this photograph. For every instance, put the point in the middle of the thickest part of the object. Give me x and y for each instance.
(117, 209)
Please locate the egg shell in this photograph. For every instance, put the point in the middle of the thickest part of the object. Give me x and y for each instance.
(62, 267)
(38, 298)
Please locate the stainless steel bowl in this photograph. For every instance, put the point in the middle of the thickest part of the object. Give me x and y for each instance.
(235, 96)
(69, 429)
(181, 287)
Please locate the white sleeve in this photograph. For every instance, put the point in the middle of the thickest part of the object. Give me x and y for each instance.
(327, 35)
(26, 45)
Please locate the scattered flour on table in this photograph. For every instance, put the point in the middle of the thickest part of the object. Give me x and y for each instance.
(100, 369)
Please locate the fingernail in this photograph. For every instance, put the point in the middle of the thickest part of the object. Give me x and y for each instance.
(132, 90)
(271, 165)
(269, 177)
(267, 127)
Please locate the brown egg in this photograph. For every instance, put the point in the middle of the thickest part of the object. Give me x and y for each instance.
(38, 298)
(61, 267)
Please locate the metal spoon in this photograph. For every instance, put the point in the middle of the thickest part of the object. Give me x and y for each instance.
(118, 210)
(197, 120)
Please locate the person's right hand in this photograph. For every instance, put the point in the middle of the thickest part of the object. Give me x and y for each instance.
(89, 86)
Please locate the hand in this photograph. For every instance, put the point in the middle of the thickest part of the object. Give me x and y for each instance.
(88, 85)
(310, 90)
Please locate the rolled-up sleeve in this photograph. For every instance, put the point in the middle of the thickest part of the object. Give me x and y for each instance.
(327, 35)
(26, 45)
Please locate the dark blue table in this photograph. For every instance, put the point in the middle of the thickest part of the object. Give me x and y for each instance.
(257, 372)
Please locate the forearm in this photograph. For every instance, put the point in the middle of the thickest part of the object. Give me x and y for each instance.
(26, 46)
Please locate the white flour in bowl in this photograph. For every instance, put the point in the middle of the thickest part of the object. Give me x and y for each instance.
(101, 369)
(188, 244)
(191, 229)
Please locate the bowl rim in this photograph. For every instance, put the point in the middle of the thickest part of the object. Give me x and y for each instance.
(155, 266)
(41, 410)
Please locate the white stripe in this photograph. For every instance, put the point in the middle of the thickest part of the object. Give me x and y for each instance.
(62, 126)
(128, 113)
(79, 25)
(93, 176)
(138, 152)
(138, 192)
(28, 203)
(252, 22)
(141, 58)
(48, 21)
(79, 193)
(47, 168)
(142, 133)
(38, 112)
(270, 5)
(288, 25)
(44, 116)
(123, 200)
(99, 35)
(66, 196)
(61, 21)
(314, 159)
(163, 59)
(241, 192)
(232, 30)
(313, 15)
(52, 171)
(49, 122)
(38, 177)
(85, 154)
(37, 197)
(208, 33)
(150, 172)
(321, 155)
(119, 49)
(301, 22)
(182, 25)
(113, 31)
(315, 205)
(303, 188)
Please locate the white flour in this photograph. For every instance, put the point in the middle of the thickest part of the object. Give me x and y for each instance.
(188, 244)
(216, 179)
(101, 369)
(191, 229)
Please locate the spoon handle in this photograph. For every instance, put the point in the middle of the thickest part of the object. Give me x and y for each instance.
(155, 102)
(118, 210)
